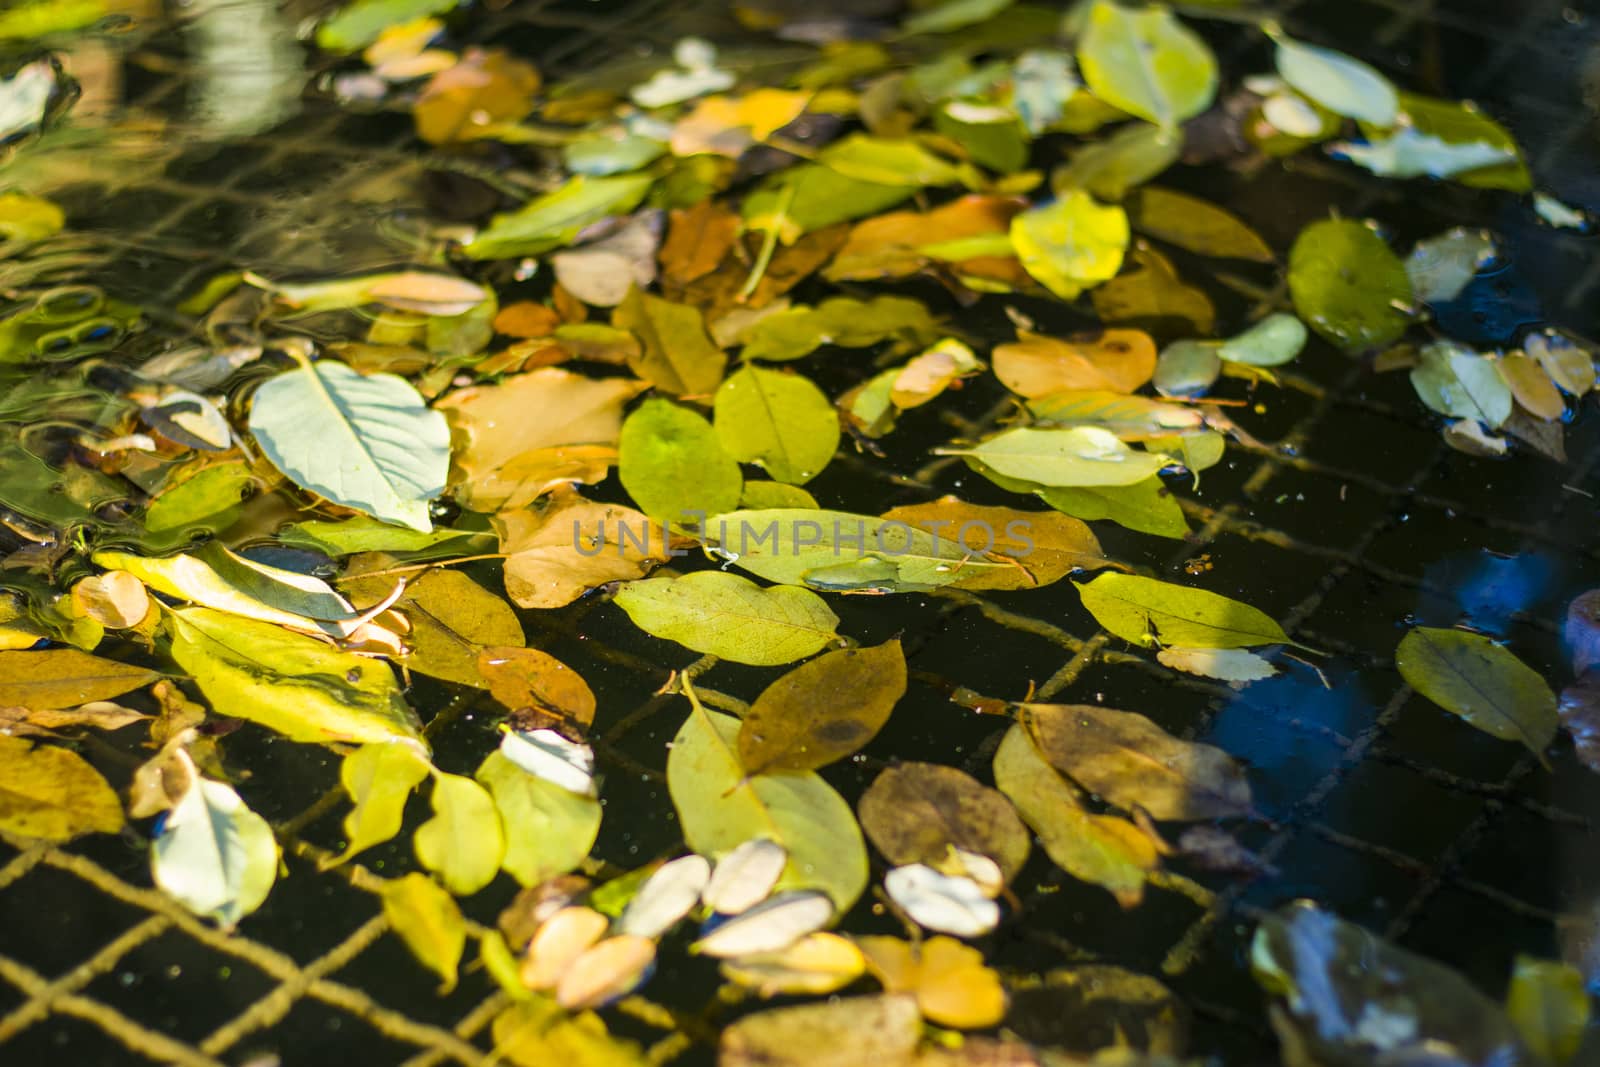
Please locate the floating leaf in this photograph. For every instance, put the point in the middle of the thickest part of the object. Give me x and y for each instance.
(533, 432)
(527, 680)
(1454, 380)
(838, 1032)
(1347, 285)
(558, 552)
(609, 970)
(949, 904)
(781, 421)
(1469, 675)
(731, 617)
(1549, 1005)
(1224, 664)
(1440, 267)
(917, 812)
(676, 355)
(1569, 365)
(1347, 995)
(40, 722)
(356, 25)
(669, 894)
(555, 219)
(560, 939)
(214, 855)
(721, 807)
(366, 442)
(603, 272)
(1082, 456)
(671, 462)
(901, 243)
(1155, 298)
(889, 161)
(379, 778)
(1132, 418)
(951, 985)
(1272, 342)
(1149, 612)
(1044, 547)
(483, 94)
(1133, 763)
(1129, 157)
(537, 1032)
(423, 292)
(64, 677)
(427, 919)
(1340, 83)
(1195, 225)
(823, 710)
(1147, 63)
(1188, 368)
(745, 877)
(816, 964)
(808, 197)
(1535, 393)
(463, 843)
(361, 533)
(1071, 243)
(952, 15)
(1101, 849)
(1409, 154)
(452, 618)
(53, 794)
(771, 926)
(296, 685)
(1117, 361)
(1461, 122)
(116, 600)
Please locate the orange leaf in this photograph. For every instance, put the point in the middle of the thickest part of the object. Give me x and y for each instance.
(1117, 361)
(546, 693)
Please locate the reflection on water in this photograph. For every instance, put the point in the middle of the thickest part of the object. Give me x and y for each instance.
(1486, 590)
(250, 70)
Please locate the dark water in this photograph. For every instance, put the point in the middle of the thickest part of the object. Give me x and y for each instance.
(1352, 522)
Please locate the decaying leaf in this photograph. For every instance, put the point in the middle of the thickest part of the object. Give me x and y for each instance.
(1005, 548)
(64, 677)
(919, 812)
(566, 546)
(214, 855)
(823, 710)
(676, 355)
(1118, 361)
(538, 688)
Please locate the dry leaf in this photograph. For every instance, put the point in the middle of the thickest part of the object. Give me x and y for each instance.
(567, 546)
(542, 691)
(1116, 360)
(482, 92)
(1046, 545)
(698, 239)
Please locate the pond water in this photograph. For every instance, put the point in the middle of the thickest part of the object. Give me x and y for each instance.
(220, 143)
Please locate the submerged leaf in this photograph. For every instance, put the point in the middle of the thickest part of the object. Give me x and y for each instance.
(53, 794)
(823, 710)
(1549, 1006)
(721, 807)
(1150, 612)
(731, 617)
(427, 919)
(366, 442)
(1469, 675)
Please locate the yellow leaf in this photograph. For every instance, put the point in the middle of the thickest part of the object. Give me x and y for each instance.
(1072, 243)
(53, 793)
(427, 919)
(951, 985)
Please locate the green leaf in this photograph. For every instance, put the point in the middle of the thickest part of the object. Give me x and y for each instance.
(1131, 762)
(809, 196)
(1150, 613)
(53, 794)
(1340, 83)
(675, 354)
(952, 15)
(1549, 1005)
(358, 24)
(731, 617)
(721, 807)
(890, 161)
(463, 843)
(1104, 850)
(378, 777)
(29, 21)
(671, 462)
(1471, 676)
(1460, 122)
(991, 135)
(1195, 225)
(1147, 63)
(214, 855)
(759, 494)
(1132, 418)
(452, 619)
(1070, 243)
(1273, 341)
(1188, 368)
(1129, 157)
(296, 685)
(1147, 506)
(65, 678)
(1081, 456)
(428, 920)
(799, 331)
(553, 220)
(823, 710)
(549, 830)
(210, 499)
(781, 421)
(1348, 286)
(365, 442)
(361, 533)
(1454, 380)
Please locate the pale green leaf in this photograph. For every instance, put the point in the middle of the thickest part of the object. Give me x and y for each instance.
(214, 855)
(296, 685)
(890, 161)
(52, 793)
(358, 24)
(1150, 612)
(809, 196)
(1132, 418)
(1188, 368)
(428, 920)
(1469, 675)
(1080, 456)
(463, 843)
(731, 617)
(721, 808)
(1146, 506)
(1147, 63)
(1340, 83)
(1410, 154)
(1071, 243)
(361, 533)
(781, 421)
(553, 220)
(671, 462)
(1454, 380)
(1347, 284)
(549, 830)
(365, 442)
(1461, 122)
(1441, 266)
(1129, 157)
(378, 777)
(1273, 341)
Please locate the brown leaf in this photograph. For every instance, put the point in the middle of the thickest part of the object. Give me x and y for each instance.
(1132, 762)
(543, 691)
(1194, 225)
(567, 546)
(901, 243)
(880, 1031)
(1532, 387)
(1082, 1009)
(917, 812)
(40, 722)
(823, 710)
(722, 291)
(1046, 545)
(116, 600)
(727, 125)
(677, 355)
(65, 677)
(698, 239)
(1117, 361)
(526, 319)
(483, 90)
(533, 432)
(451, 617)
(601, 272)
(1153, 297)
